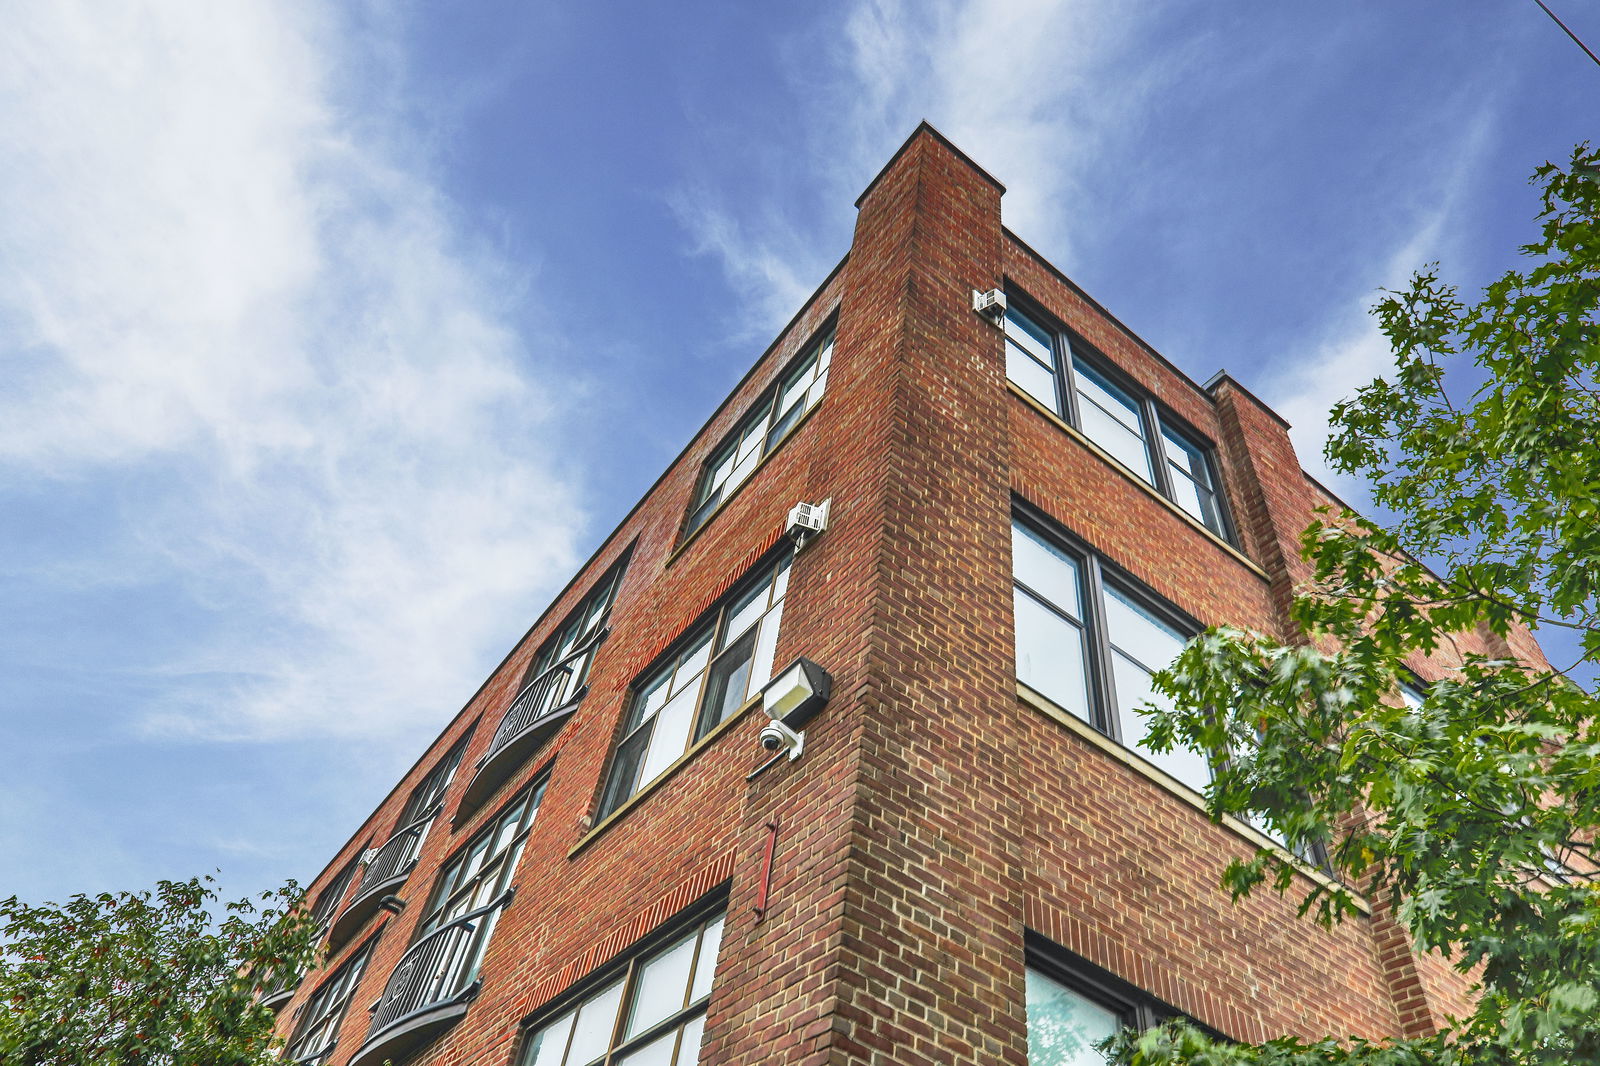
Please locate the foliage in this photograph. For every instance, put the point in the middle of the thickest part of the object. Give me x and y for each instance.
(148, 978)
(1472, 814)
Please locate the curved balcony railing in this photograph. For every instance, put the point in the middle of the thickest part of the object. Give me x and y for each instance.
(541, 708)
(431, 986)
(279, 989)
(382, 873)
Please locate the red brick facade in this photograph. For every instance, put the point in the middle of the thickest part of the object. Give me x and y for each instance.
(935, 814)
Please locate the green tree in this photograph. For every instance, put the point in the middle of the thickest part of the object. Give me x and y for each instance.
(1475, 812)
(146, 979)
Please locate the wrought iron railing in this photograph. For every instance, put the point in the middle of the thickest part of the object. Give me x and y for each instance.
(551, 690)
(395, 857)
(440, 968)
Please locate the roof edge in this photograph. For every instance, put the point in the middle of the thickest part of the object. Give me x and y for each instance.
(925, 128)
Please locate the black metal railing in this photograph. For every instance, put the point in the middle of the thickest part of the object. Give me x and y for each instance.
(551, 690)
(278, 986)
(440, 968)
(396, 857)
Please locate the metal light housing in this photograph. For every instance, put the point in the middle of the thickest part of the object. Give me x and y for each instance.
(796, 693)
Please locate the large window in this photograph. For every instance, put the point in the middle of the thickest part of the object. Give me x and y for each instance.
(318, 1030)
(711, 672)
(329, 898)
(481, 872)
(653, 1014)
(1073, 1006)
(768, 422)
(1089, 640)
(1126, 424)
(429, 792)
(574, 643)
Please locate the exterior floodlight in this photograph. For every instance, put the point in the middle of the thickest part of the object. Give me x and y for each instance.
(795, 696)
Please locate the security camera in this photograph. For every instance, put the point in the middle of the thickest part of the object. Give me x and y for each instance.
(778, 737)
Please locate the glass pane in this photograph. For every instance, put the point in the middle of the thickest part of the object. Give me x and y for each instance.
(1034, 379)
(1098, 389)
(1140, 635)
(1050, 655)
(650, 697)
(659, 992)
(743, 614)
(721, 468)
(766, 648)
(1186, 494)
(1133, 690)
(625, 770)
(1183, 455)
(745, 468)
(671, 735)
(1063, 1026)
(703, 512)
(549, 1043)
(692, 661)
(726, 685)
(706, 965)
(1029, 336)
(693, 1035)
(750, 443)
(1045, 569)
(597, 1019)
(825, 356)
(656, 1053)
(1124, 445)
(781, 584)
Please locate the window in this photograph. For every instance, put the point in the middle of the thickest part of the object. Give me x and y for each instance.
(722, 662)
(481, 872)
(653, 1014)
(328, 899)
(318, 1030)
(574, 644)
(1128, 426)
(1089, 640)
(1073, 1005)
(797, 391)
(429, 792)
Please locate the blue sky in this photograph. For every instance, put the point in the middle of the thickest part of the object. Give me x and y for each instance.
(333, 337)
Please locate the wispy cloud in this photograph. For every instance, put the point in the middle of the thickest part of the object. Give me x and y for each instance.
(1031, 88)
(260, 327)
(1350, 350)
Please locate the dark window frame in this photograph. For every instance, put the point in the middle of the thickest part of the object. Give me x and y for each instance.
(711, 494)
(1097, 572)
(358, 959)
(588, 630)
(1137, 1008)
(763, 573)
(1067, 345)
(327, 901)
(440, 900)
(430, 791)
(691, 920)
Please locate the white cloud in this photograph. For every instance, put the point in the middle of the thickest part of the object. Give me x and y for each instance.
(263, 320)
(1031, 89)
(1350, 350)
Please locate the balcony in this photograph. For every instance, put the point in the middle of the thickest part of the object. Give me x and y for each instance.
(431, 988)
(280, 989)
(540, 709)
(385, 872)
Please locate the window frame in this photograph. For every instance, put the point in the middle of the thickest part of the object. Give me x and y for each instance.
(1096, 573)
(1136, 1008)
(429, 793)
(714, 619)
(359, 960)
(711, 494)
(326, 904)
(1067, 346)
(441, 901)
(581, 626)
(693, 921)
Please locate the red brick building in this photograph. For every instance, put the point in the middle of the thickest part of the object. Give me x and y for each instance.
(596, 861)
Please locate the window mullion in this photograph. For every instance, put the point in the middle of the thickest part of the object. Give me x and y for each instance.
(1067, 381)
(619, 1024)
(1155, 447)
(1102, 681)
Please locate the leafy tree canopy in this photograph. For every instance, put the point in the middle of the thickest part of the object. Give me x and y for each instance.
(147, 979)
(1472, 813)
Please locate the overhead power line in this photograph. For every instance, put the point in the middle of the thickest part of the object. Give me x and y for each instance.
(1568, 32)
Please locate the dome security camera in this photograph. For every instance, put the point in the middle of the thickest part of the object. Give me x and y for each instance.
(777, 737)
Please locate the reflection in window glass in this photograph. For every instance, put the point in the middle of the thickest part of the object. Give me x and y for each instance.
(725, 662)
(665, 996)
(762, 430)
(1064, 1026)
